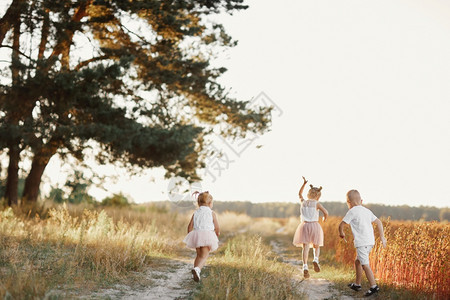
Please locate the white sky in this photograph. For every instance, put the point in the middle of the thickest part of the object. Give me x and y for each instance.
(364, 87)
(364, 90)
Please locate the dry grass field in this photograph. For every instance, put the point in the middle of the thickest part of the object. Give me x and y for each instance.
(72, 247)
(77, 250)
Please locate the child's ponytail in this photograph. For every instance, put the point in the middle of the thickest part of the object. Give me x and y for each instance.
(195, 195)
(314, 192)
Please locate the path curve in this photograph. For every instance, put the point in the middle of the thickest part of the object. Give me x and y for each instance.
(313, 288)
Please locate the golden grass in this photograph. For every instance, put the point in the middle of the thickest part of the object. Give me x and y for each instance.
(71, 248)
(232, 224)
(66, 248)
(417, 257)
(246, 268)
(337, 259)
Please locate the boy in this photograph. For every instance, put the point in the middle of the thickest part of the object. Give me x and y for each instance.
(360, 220)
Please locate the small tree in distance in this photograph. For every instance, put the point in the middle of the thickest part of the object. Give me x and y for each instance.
(77, 186)
(118, 200)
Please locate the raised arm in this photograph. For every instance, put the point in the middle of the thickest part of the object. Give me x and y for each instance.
(323, 210)
(191, 224)
(381, 231)
(216, 224)
(300, 193)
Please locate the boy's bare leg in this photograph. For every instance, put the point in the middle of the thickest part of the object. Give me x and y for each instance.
(369, 275)
(359, 271)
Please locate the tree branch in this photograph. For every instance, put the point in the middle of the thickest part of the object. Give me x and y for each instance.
(18, 51)
(135, 34)
(44, 35)
(65, 40)
(86, 62)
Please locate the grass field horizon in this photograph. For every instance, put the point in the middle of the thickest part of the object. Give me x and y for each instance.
(73, 251)
(286, 209)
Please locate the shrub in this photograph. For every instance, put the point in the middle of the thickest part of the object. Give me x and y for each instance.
(116, 200)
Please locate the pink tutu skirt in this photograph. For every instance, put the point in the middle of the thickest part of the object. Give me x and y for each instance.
(308, 233)
(202, 238)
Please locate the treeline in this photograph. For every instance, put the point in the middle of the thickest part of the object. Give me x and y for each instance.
(286, 210)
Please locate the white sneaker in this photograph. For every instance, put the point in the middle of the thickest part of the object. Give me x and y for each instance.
(305, 271)
(316, 265)
(196, 274)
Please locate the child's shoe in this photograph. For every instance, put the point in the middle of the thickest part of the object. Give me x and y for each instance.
(371, 291)
(354, 287)
(316, 265)
(196, 274)
(305, 271)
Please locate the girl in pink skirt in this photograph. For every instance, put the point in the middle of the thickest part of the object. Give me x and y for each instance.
(309, 232)
(203, 230)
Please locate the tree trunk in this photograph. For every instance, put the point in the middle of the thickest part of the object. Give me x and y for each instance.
(12, 182)
(11, 15)
(33, 181)
(11, 193)
(40, 162)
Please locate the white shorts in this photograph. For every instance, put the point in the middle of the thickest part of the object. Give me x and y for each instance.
(362, 254)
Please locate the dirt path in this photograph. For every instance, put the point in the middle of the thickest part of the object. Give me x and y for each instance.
(171, 280)
(314, 288)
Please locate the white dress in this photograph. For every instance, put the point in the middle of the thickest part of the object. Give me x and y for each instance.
(203, 234)
(309, 231)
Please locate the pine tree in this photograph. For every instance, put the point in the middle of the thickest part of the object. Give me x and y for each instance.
(132, 80)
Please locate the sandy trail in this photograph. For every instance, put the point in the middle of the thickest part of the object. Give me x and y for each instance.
(314, 288)
(171, 281)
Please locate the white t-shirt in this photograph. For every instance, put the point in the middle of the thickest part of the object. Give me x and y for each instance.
(360, 220)
(203, 219)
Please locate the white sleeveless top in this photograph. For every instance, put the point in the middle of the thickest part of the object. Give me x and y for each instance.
(308, 211)
(203, 219)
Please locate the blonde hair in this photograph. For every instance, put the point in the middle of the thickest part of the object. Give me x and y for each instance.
(350, 194)
(314, 192)
(203, 198)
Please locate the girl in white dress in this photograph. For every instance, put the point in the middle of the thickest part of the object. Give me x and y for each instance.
(309, 232)
(203, 232)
